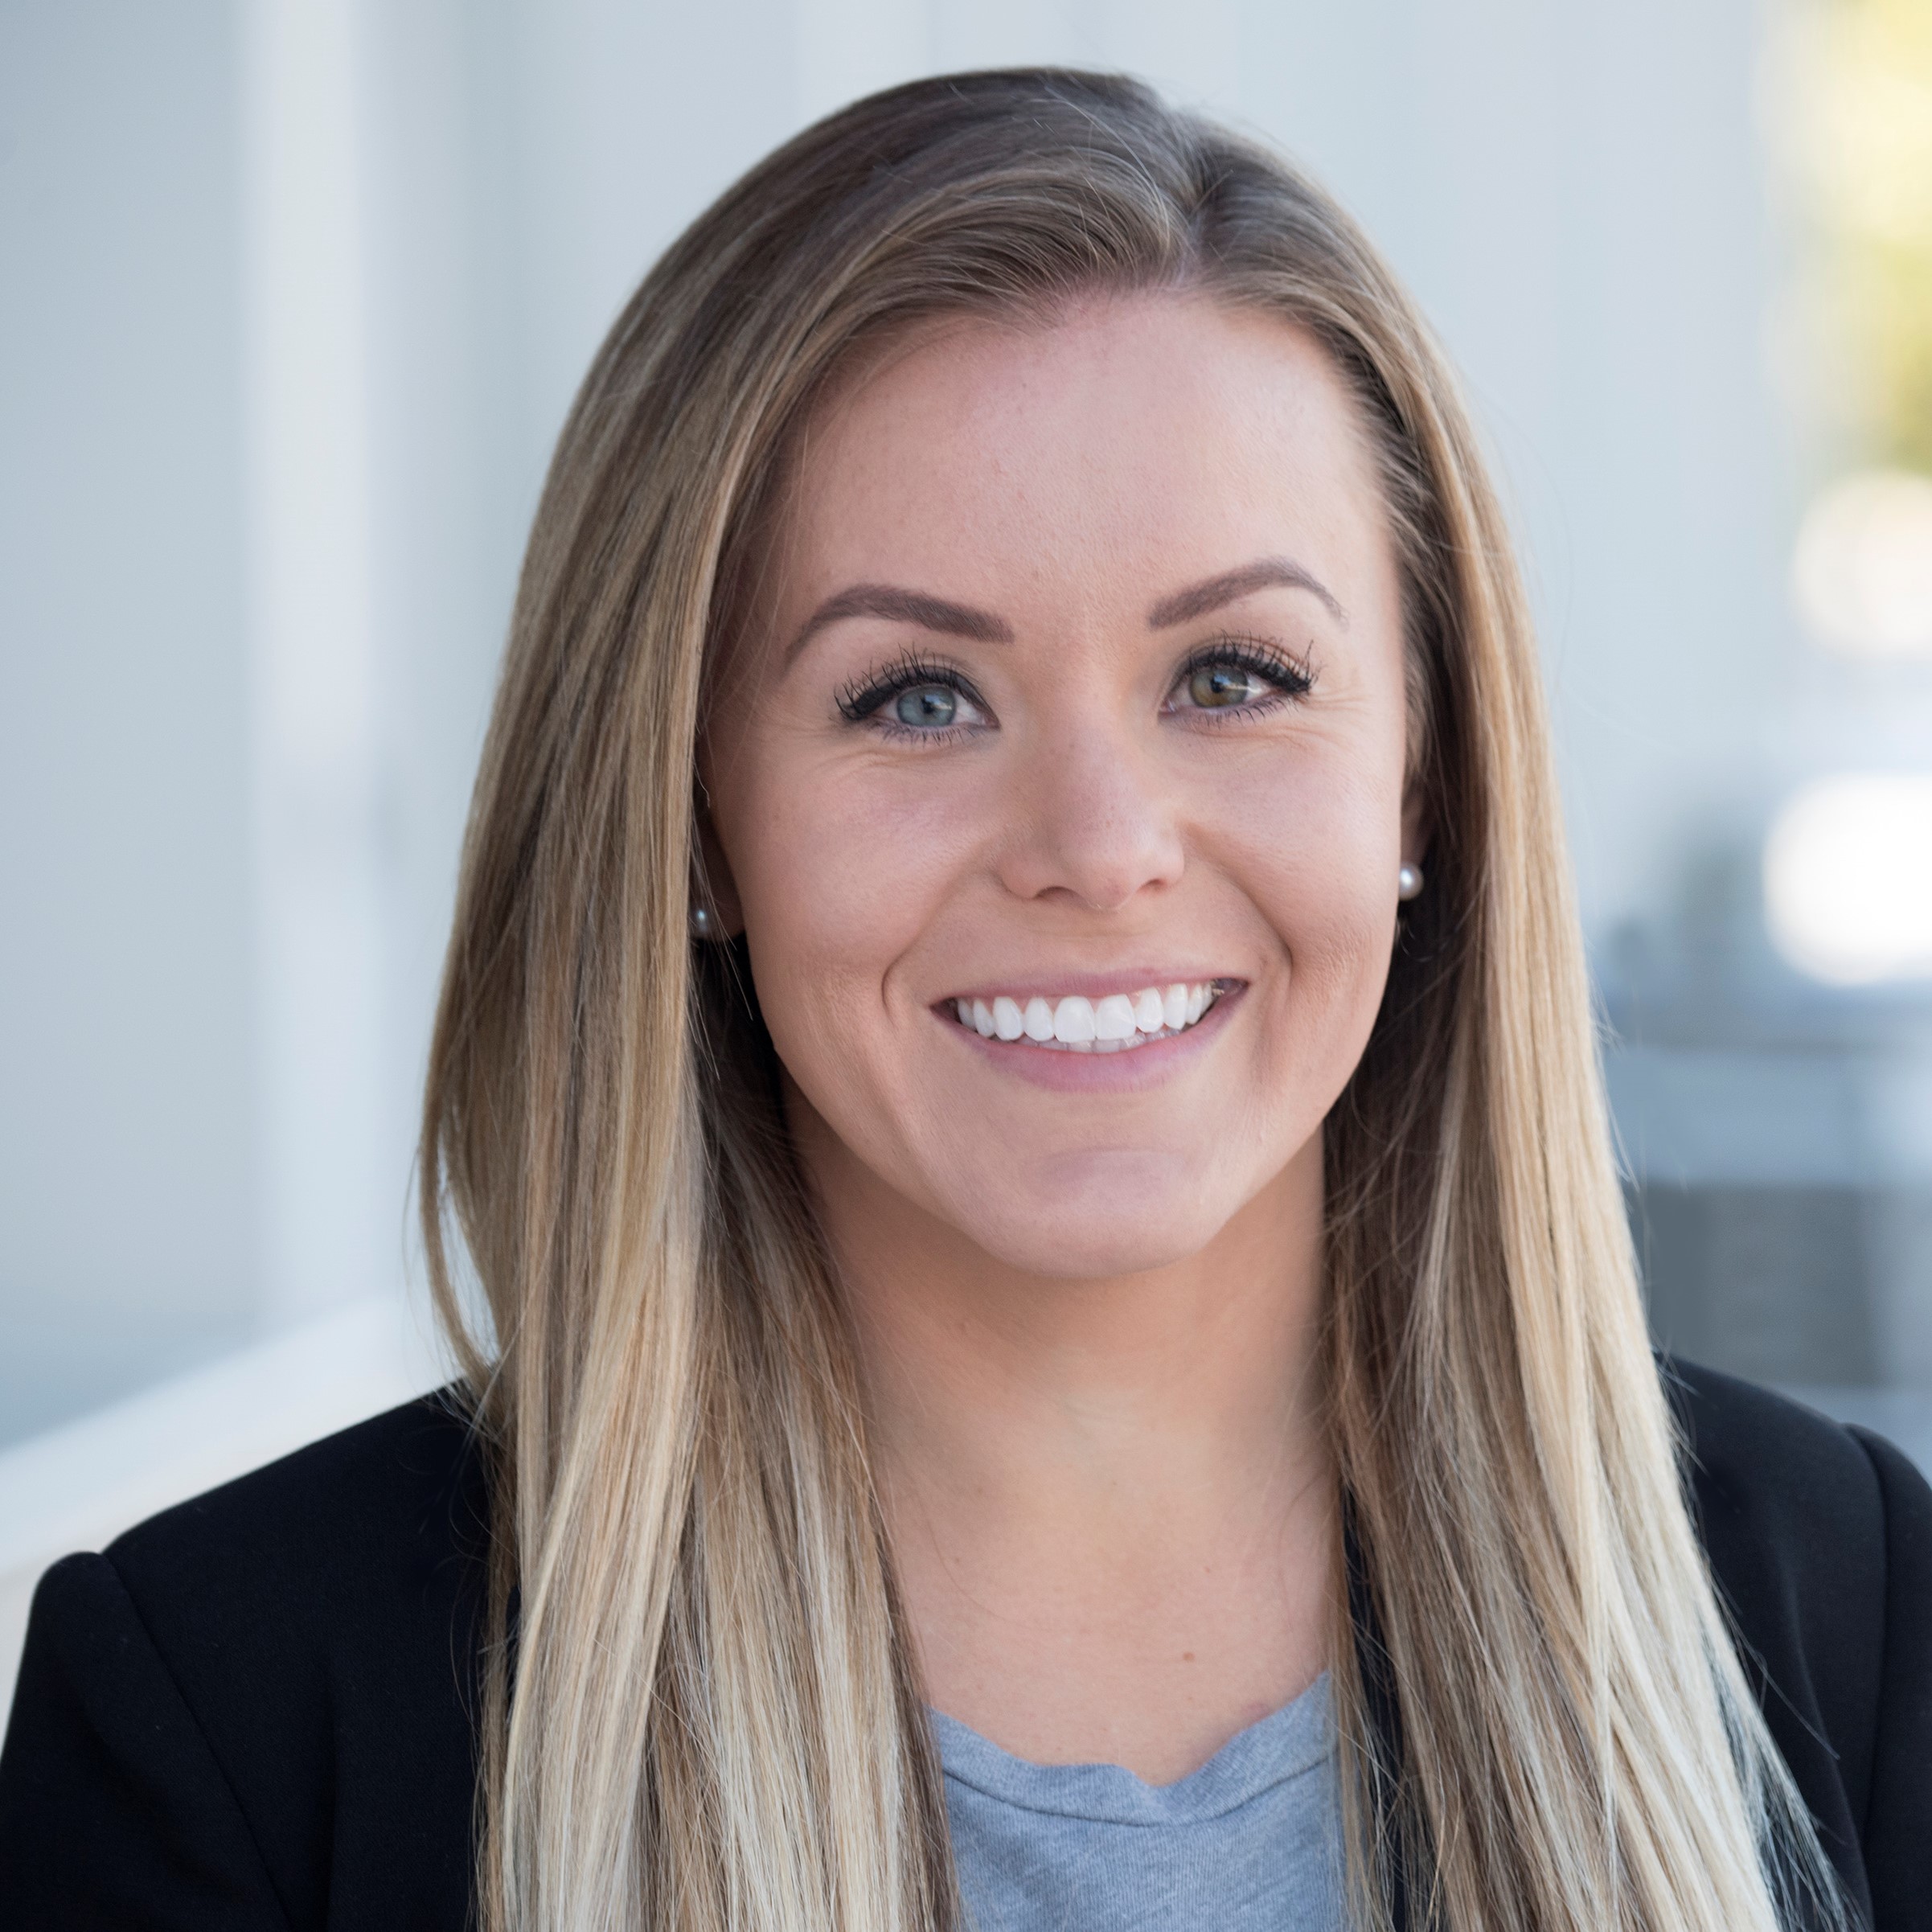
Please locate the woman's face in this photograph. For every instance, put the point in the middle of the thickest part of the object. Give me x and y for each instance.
(1058, 782)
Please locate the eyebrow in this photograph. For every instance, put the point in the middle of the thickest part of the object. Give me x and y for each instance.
(899, 606)
(1265, 573)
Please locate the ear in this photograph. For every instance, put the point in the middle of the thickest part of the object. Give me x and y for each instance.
(1418, 827)
(712, 883)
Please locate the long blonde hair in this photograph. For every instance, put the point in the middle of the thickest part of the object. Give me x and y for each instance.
(701, 1712)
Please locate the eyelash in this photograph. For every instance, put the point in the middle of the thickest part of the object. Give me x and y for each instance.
(1260, 659)
(862, 699)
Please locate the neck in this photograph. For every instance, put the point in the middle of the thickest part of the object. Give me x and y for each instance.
(1128, 1477)
(982, 1374)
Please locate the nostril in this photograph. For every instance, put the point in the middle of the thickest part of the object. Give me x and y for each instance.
(1095, 836)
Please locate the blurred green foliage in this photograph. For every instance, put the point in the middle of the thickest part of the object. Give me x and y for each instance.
(1870, 148)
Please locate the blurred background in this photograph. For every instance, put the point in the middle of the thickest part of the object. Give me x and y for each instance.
(294, 294)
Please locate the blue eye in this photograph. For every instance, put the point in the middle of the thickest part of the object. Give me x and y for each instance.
(926, 707)
(914, 699)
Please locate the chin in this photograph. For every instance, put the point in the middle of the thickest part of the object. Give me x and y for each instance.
(1099, 1212)
(1084, 1243)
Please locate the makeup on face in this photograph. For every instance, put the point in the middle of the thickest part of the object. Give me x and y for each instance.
(1060, 788)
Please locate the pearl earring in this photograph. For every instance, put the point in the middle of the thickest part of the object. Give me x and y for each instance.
(701, 925)
(1409, 882)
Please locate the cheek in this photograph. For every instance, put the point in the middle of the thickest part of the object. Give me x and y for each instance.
(839, 876)
(1316, 844)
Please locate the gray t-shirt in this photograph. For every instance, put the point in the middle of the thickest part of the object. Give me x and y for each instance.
(1252, 1839)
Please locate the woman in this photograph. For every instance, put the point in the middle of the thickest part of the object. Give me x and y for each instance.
(1016, 1072)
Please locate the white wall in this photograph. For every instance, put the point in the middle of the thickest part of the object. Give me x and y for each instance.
(130, 1202)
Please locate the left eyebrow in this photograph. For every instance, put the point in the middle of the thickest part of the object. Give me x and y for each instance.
(1265, 573)
(901, 606)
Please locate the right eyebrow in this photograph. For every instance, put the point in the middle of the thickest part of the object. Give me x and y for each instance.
(1199, 599)
(900, 606)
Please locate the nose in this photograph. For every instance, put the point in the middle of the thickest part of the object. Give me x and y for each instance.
(1096, 822)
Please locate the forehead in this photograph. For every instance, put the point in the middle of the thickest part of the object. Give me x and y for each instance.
(1122, 441)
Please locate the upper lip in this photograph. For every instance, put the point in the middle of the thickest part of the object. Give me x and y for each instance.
(1033, 984)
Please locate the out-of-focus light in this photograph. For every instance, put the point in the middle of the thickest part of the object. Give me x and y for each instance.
(1863, 567)
(1847, 880)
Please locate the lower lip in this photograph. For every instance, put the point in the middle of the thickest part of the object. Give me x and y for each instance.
(1123, 1073)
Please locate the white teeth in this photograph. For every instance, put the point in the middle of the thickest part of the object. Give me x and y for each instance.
(1073, 1020)
(1117, 1022)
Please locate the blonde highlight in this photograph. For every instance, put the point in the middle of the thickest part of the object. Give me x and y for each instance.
(701, 1710)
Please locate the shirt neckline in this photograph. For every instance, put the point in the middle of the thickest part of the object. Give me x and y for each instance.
(1287, 1743)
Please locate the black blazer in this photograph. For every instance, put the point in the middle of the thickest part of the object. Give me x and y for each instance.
(255, 1711)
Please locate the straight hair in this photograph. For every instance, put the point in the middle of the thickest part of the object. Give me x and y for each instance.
(701, 1709)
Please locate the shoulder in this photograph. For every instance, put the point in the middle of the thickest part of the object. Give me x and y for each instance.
(273, 1684)
(1819, 1540)
(328, 1604)
(348, 1527)
(1772, 1478)
(1802, 1517)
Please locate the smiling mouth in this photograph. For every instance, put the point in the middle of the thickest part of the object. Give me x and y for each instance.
(1075, 1024)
